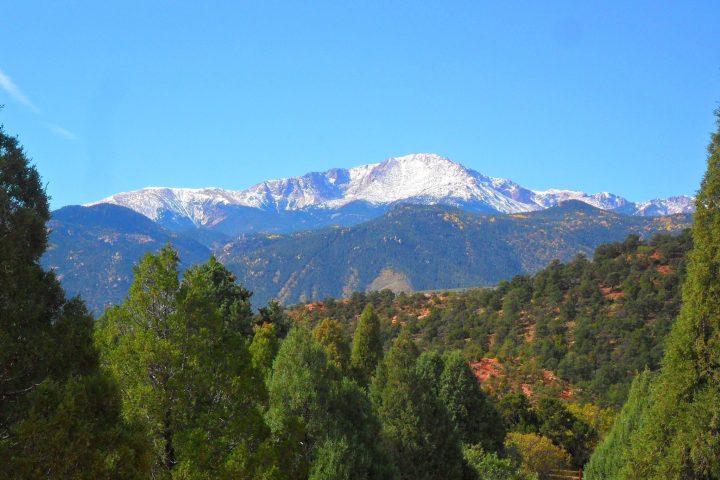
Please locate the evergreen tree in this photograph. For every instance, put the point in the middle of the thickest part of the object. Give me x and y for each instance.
(366, 346)
(430, 366)
(59, 416)
(31, 300)
(326, 420)
(231, 300)
(680, 433)
(473, 413)
(274, 313)
(564, 429)
(300, 397)
(179, 352)
(331, 462)
(416, 427)
(330, 334)
(517, 413)
(75, 430)
(264, 348)
(613, 455)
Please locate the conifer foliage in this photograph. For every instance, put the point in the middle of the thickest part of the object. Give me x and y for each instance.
(366, 346)
(678, 433)
(417, 429)
(59, 415)
(180, 354)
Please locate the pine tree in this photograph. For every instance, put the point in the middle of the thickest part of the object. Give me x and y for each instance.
(31, 300)
(679, 435)
(330, 334)
(326, 420)
(180, 354)
(416, 427)
(231, 299)
(59, 416)
(473, 413)
(366, 346)
(614, 452)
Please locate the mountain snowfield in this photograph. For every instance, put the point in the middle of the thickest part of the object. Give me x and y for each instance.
(423, 178)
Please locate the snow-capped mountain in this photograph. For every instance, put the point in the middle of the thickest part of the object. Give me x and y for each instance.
(418, 178)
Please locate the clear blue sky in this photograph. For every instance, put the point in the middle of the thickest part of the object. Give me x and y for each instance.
(112, 96)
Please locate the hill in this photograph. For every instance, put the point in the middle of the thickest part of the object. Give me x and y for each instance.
(93, 250)
(410, 248)
(415, 247)
(579, 330)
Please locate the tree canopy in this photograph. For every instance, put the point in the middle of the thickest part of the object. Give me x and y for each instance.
(678, 432)
(59, 415)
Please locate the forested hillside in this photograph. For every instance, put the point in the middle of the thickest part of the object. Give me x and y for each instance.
(410, 248)
(183, 380)
(93, 250)
(580, 330)
(518, 381)
(416, 247)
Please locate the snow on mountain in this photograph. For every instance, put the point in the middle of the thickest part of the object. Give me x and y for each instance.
(603, 200)
(666, 206)
(418, 178)
(193, 204)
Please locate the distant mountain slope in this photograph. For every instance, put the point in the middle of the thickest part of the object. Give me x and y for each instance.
(426, 247)
(349, 196)
(93, 250)
(411, 247)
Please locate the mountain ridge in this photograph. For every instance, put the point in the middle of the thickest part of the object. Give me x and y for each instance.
(318, 199)
(425, 248)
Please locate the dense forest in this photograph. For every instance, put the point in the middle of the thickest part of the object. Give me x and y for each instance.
(184, 380)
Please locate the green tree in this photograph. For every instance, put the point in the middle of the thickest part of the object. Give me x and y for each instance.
(473, 413)
(416, 428)
(430, 366)
(562, 427)
(366, 345)
(612, 458)
(231, 300)
(59, 416)
(179, 352)
(326, 420)
(680, 432)
(264, 348)
(330, 334)
(536, 454)
(488, 466)
(75, 430)
(517, 413)
(31, 300)
(331, 462)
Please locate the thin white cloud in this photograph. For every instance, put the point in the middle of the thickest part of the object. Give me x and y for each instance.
(63, 132)
(14, 91)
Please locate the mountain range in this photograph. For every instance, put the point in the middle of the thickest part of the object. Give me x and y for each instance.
(349, 196)
(410, 247)
(427, 247)
(417, 222)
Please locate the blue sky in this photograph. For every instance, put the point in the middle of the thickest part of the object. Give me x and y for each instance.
(598, 96)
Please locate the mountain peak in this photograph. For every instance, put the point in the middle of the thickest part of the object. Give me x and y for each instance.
(418, 178)
(425, 158)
